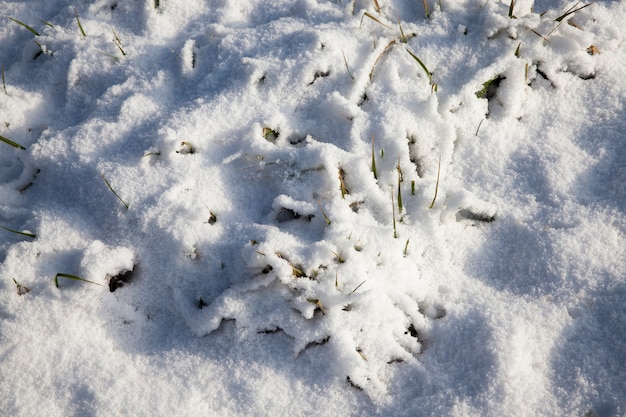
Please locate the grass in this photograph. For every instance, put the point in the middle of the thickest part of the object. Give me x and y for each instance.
(436, 184)
(429, 74)
(374, 160)
(426, 8)
(33, 31)
(374, 18)
(399, 187)
(393, 216)
(21, 290)
(406, 248)
(572, 10)
(10, 142)
(342, 183)
(118, 43)
(27, 234)
(328, 222)
(113, 191)
(80, 27)
(347, 68)
(73, 277)
(4, 86)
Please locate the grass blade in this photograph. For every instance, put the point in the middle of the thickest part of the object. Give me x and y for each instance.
(374, 160)
(374, 18)
(346, 62)
(511, 9)
(69, 276)
(393, 216)
(27, 234)
(10, 142)
(377, 6)
(419, 61)
(572, 11)
(426, 8)
(436, 184)
(3, 84)
(113, 191)
(33, 31)
(82, 31)
(387, 48)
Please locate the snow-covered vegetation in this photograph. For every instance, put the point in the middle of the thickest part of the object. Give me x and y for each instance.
(298, 207)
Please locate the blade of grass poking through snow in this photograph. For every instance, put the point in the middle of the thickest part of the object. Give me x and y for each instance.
(342, 183)
(399, 188)
(426, 8)
(374, 160)
(117, 42)
(4, 86)
(113, 191)
(10, 142)
(346, 62)
(377, 6)
(358, 286)
(572, 11)
(33, 31)
(387, 48)
(419, 61)
(323, 213)
(393, 216)
(69, 276)
(373, 18)
(406, 248)
(436, 184)
(511, 9)
(27, 234)
(46, 23)
(82, 31)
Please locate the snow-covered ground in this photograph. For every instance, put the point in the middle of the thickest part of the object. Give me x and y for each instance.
(311, 207)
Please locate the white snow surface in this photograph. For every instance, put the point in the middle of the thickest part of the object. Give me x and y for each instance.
(212, 162)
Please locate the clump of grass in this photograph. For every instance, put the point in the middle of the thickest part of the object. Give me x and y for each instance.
(73, 277)
(17, 232)
(339, 257)
(10, 142)
(374, 160)
(113, 191)
(436, 184)
(157, 4)
(33, 31)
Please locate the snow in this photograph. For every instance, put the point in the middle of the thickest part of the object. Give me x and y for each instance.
(209, 166)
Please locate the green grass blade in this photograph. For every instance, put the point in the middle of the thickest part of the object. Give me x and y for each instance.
(113, 191)
(33, 31)
(82, 31)
(571, 11)
(419, 61)
(27, 234)
(436, 184)
(10, 142)
(374, 160)
(69, 276)
(3, 84)
(393, 216)
(46, 23)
